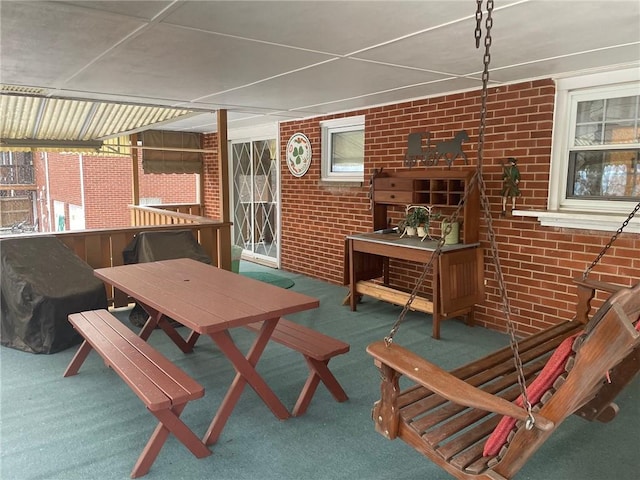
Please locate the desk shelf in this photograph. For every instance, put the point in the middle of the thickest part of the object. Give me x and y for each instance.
(443, 189)
(456, 280)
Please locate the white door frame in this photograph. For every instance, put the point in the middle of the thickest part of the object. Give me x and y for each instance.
(251, 134)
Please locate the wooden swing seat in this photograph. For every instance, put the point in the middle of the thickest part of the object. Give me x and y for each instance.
(447, 416)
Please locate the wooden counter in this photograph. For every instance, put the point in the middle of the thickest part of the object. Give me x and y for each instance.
(457, 277)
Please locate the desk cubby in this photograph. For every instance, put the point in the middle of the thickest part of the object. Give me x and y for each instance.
(443, 189)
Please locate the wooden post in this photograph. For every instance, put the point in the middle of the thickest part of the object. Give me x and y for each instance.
(134, 174)
(224, 235)
(200, 196)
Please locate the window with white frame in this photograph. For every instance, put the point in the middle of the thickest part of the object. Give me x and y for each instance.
(595, 163)
(343, 149)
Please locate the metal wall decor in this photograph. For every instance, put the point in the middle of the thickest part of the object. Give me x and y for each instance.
(430, 155)
(510, 184)
(298, 154)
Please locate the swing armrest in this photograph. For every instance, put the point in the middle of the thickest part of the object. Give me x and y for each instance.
(598, 285)
(447, 385)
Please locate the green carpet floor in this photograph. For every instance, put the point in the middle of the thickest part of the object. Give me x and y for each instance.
(91, 426)
(277, 280)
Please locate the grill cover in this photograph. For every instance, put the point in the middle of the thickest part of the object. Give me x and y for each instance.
(154, 246)
(43, 282)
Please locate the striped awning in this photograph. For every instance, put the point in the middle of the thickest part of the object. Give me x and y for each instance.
(35, 122)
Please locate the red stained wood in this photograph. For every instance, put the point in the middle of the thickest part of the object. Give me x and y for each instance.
(317, 349)
(163, 387)
(447, 416)
(201, 297)
(210, 301)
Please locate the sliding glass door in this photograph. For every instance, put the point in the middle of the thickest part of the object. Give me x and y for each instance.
(255, 198)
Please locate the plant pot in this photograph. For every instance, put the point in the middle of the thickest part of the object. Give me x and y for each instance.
(422, 231)
(454, 234)
(410, 231)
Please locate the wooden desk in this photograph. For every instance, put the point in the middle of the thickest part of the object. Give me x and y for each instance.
(457, 278)
(210, 301)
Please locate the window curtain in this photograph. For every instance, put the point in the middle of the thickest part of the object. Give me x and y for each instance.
(171, 161)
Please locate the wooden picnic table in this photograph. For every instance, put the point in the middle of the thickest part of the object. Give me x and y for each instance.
(211, 301)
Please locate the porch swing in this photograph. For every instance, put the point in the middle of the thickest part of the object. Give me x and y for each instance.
(484, 420)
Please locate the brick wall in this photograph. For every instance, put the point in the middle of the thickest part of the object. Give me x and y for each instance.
(538, 262)
(316, 217)
(64, 178)
(108, 187)
(211, 173)
(64, 186)
(169, 187)
(108, 190)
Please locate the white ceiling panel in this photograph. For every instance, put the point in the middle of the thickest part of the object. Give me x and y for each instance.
(144, 10)
(265, 61)
(404, 93)
(563, 66)
(336, 27)
(325, 83)
(43, 44)
(585, 32)
(451, 49)
(167, 66)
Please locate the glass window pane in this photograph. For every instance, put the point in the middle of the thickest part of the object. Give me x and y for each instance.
(591, 111)
(618, 133)
(611, 121)
(347, 151)
(585, 174)
(609, 174)
(623, 108)
(588, 135)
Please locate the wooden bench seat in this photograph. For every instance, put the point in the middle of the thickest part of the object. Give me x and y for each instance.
(163, 387)
(317, 349)
(456, 433)
(451, 417)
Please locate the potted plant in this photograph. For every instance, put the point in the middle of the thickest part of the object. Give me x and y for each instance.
(415, 217)
(406, 227)
(421, 219)
(417, 221)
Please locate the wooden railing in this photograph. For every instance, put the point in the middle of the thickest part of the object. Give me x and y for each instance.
(190, 208)
(176, 214)
(103, 248)
(167, 214)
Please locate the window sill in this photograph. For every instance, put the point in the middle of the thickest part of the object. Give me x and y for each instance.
(339, 182)
(581, 220)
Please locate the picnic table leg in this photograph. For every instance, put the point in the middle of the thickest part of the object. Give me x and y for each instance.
(173, 334)
(169, 422)
(318, 370)
(150, 324)
(304, 399)
(78, 359)
(158, 319)
(246, 372)
(193, 338)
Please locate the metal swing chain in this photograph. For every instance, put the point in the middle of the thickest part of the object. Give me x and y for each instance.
(477, 177)
(506, 306)
(613, 239)
(388, 340)
(478, 32)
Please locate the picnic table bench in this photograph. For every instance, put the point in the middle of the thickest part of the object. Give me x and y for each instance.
(163, 387)
(317, 349)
